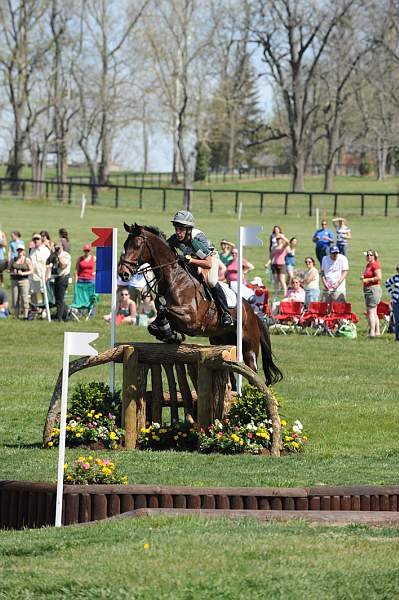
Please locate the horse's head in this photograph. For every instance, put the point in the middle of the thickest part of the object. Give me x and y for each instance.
(138, 249)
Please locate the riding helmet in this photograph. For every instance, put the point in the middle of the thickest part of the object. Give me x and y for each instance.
(183, 217)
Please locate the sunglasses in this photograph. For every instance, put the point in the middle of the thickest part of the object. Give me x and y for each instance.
(369, 254)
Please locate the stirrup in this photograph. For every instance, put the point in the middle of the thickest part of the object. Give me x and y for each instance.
(226, 320)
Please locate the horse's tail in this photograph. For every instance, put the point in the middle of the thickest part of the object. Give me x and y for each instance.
(271, 370)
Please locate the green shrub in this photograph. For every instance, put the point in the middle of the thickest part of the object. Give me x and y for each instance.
(95, 396)
(249, 407)
(365, 166)
(202, 162)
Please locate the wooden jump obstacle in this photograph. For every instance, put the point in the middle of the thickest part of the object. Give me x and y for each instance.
(207, 367)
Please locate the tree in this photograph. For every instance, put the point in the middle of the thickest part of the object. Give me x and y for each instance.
(293, 35)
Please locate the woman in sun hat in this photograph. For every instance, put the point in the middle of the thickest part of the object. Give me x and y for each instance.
(225, 255)
(371, 279)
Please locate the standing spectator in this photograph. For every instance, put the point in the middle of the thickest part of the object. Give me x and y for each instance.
(38, 256)
(3, 252)
(290, 259)
(12, 251)
(273, 237)
(85, 266)
(232, 275)
(3, 304)
(225, 255)
(64, 240)
(46, 240)
(371, 279)
(278, 254)
(60, 262)
(323, 239)
(20, 269)
(334, 269)
(392, 285)
(311, 281)
(343, 234)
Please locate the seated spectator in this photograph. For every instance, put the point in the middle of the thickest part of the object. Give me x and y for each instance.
(225, 255)
(311, 281)
(137, 284)
(3, 304)
(296, 293)
(146, 312)
(125, 309)
(261, 295)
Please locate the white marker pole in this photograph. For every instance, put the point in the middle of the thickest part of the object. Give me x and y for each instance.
(61, 451)
(317, 219)
(83, 206)
(113, 303)
(239, 308)
(46, 298)
(239, 211)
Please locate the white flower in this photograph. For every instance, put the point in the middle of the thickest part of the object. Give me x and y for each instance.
(156, 426)
(251, 426)
(72, 423)
(297, 427)
(218, 424)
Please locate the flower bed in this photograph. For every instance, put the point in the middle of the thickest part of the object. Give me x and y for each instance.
(90, 469)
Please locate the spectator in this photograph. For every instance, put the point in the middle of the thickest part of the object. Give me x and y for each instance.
(3, 304)
(60, 263)
(64, 240)
(125, 310)
(296, 293)
(311, 281)
(225, 255)
(290, 260)
(392, 285)
(323, 239)
(278, 254)
(371, 279)
(38, 256)
(3, 254)
(137, 283)
(85, 266)
(46, 240)
(232, 275)
(343, 234)
(334, 269)
(20, 269)
(273, 237)
(146, 312)
(12, 251)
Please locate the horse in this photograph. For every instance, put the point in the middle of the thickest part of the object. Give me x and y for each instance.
(183, 304)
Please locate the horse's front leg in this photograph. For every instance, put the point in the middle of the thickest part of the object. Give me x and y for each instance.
(162, 330)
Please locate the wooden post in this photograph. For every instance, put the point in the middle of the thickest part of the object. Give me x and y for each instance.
(174, 410)
(157, 394)
(185, 392)
(205, 393)
(129, 396)
(221, 393)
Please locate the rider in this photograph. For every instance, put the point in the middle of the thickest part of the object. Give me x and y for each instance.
(193, 250)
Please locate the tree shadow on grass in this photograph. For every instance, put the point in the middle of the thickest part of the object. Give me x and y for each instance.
(22, 446)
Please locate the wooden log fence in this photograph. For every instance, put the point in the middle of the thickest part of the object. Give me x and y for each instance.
(337, 201)
(208, 398)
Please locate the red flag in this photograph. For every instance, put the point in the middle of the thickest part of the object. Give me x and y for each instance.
(104, 235)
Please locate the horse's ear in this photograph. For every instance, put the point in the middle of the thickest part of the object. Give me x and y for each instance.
(127, 227)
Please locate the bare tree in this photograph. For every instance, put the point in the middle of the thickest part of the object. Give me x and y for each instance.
(293, 35)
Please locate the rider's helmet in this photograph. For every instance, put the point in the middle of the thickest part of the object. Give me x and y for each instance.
(184, 218)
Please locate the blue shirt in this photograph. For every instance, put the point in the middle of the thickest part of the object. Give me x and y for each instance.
(320, 234)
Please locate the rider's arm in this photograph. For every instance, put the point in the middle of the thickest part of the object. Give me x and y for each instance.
(204, 263)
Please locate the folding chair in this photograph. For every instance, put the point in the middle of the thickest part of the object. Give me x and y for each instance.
(84, 300)
(289, 317)
(314, 318)
(340, 312)
(384, 314)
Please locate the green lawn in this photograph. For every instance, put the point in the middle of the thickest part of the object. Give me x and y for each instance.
(344, 391)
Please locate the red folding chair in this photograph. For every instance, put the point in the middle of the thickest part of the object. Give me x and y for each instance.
(314, 318)
(289, 316)
(340, 312)
(384, 314)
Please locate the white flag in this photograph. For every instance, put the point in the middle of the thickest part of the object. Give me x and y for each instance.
(249, 236)
(79, 343)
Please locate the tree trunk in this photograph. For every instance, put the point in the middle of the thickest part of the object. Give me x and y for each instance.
(103, 168)
(381, 157)
(298, 184)
(62, 167)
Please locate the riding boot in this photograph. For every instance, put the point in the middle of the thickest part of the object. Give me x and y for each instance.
(221, 304)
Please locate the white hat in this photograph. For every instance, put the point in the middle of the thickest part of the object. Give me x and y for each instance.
(257, 281)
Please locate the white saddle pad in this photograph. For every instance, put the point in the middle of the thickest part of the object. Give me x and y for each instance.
(231, 296)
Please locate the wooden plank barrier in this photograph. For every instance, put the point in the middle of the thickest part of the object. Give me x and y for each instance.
(209, 369)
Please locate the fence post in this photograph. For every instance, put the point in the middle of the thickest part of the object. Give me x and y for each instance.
(125, 179)
(47, 186)
(261, 198)
(23, 189)
(164, 199)
(141, 198)
(362, 205)
(236, 202)
(117, 196)
(335, 204)
(210, 201)
(286, 203)
(159, 179)
(69, 193)
(93, 195)
(386, 205)
(310, 204)
(1, 186)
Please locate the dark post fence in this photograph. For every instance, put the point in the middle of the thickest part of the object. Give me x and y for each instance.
(287, 197)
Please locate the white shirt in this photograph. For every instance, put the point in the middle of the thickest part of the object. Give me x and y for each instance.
(333, 269)
(38, 256)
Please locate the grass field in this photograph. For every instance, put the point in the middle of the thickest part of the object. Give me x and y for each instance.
(344, 391)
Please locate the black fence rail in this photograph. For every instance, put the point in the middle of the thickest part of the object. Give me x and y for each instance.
(232, 198)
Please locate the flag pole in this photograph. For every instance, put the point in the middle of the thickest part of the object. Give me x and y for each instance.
(113, 303)
(61, 448)
(239, 308)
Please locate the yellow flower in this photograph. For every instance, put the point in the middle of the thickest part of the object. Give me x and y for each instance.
(305, 437)
(162, 431)
(65, 466)
(241, 443)
(287, 438)
(295, 445)
(184, 434)
(143, 430)
(283, 422)
(49, 444)
(146, 546)
(89, 458)
(78, 434)
(175, 437)
(113, 436)
(106, 471)
(235, 437)
(69, 478)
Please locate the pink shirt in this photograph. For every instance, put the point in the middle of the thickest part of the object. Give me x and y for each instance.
(278, 256)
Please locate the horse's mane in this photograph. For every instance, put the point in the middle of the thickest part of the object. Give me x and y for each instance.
(156, 231)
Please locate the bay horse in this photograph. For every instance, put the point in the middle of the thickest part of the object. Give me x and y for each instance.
(182, 300)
